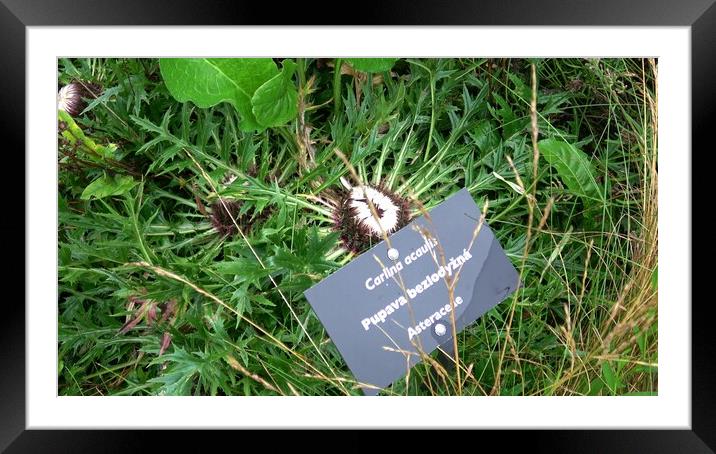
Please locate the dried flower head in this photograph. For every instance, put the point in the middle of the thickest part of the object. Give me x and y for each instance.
(357, 224)
(225, 215)
(70, 98)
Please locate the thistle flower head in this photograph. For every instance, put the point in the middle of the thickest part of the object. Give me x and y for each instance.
(225, 216)
(70, 97)
(358, 225)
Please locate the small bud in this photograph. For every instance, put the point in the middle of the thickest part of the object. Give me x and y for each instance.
(168, 310)
(151, 314)
(138, 315)
(225, 216)
(166, 341)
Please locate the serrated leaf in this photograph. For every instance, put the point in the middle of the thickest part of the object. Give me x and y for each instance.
(372, 65)
(178, 377)
(511, 124)
(104, 97)
(240, 300)
(484, 135)
(276, 101)
(573, 167)
(209, 81)
(286, 260)
(243, 269)
(106, 186)
(263, 300)
(319, 246)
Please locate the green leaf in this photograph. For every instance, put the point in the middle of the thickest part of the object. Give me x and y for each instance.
(610, 377)
(484, 136)
(287, 261)
(655, 278)
(240, 301)
(511, 124)
(209, 81)
(178, 377)
(640, 336)
(243, 269)
(103, 98)
(62, 205)
(276, 101)
(318, 246)
(573, 167)
(372, 65)
(108, 186)
(263, 300)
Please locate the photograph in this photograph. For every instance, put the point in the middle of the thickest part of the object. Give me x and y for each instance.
(343, 226)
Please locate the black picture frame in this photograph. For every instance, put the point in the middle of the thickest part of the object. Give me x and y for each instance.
(16, 15)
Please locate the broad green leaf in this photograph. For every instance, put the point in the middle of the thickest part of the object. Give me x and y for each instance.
(105, 186)
(372, 65)
(275, 102)
(655, 278)
(573, 167)
(209, 81)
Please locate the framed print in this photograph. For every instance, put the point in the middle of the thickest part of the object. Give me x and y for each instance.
(395, 225)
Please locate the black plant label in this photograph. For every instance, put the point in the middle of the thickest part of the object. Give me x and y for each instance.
(385, 310)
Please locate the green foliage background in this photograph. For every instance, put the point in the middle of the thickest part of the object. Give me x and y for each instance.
(154, 302)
